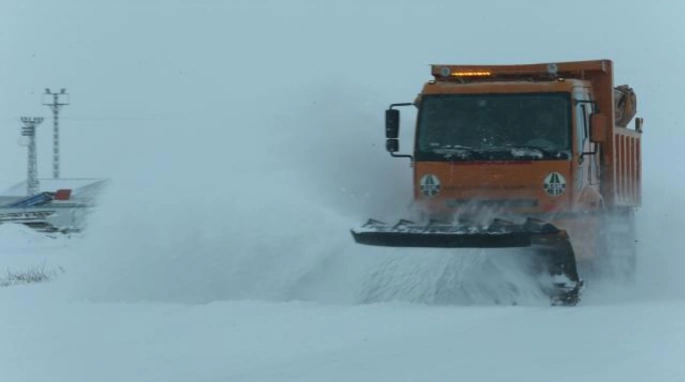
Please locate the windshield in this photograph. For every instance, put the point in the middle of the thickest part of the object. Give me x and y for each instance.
(494, 126)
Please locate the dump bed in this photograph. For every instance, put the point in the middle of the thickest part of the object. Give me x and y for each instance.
(628, 176)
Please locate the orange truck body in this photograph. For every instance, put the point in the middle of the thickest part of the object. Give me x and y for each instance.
(601, 175)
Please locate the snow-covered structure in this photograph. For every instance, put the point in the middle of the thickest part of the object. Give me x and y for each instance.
(86, 188)
(60, 205)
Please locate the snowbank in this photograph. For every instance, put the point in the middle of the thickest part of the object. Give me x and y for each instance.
(256, 341)
(21, 236)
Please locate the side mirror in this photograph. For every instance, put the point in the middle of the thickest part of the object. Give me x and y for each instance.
(392, 131)
(392, 123)
(598, 128)
(638, 124)
(392, 145)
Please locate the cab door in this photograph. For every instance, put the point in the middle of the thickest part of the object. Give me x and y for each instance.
(587, 157)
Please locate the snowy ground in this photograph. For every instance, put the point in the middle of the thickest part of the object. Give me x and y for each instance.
(305, 322)
(257, 341)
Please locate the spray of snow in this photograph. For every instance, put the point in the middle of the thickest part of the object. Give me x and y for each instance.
(274, 223)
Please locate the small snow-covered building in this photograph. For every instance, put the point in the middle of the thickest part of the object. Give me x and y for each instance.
(60, 204)
(81, 188)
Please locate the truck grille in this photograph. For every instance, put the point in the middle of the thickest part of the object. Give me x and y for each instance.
(493, 203)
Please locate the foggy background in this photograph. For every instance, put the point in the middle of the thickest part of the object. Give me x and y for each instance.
(255, 127)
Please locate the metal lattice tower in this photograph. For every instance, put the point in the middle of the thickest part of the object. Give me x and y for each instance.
(58, 100)
(29, 130)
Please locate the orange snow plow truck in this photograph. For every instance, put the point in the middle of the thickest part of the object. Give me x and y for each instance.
(537, 156)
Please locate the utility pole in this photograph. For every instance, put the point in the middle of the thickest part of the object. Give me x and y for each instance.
(29, 130)
(58, 100)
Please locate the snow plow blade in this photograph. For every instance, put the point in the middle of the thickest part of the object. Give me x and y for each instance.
(550, 244)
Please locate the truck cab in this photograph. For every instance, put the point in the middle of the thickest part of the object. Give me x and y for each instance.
(513, 147)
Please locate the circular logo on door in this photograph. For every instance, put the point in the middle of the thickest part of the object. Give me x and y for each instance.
(555, 184)
(430, 185)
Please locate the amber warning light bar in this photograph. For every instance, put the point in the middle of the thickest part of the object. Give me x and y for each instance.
(487, 71)
(459, 71)
(475, 73)
(543, 70)
(462, 72)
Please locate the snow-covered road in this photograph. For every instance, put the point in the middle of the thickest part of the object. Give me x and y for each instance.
(48, 335)
(258, 341)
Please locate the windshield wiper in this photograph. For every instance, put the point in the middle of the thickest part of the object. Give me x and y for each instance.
(448, 152)
(546, 151)
(453, 148)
